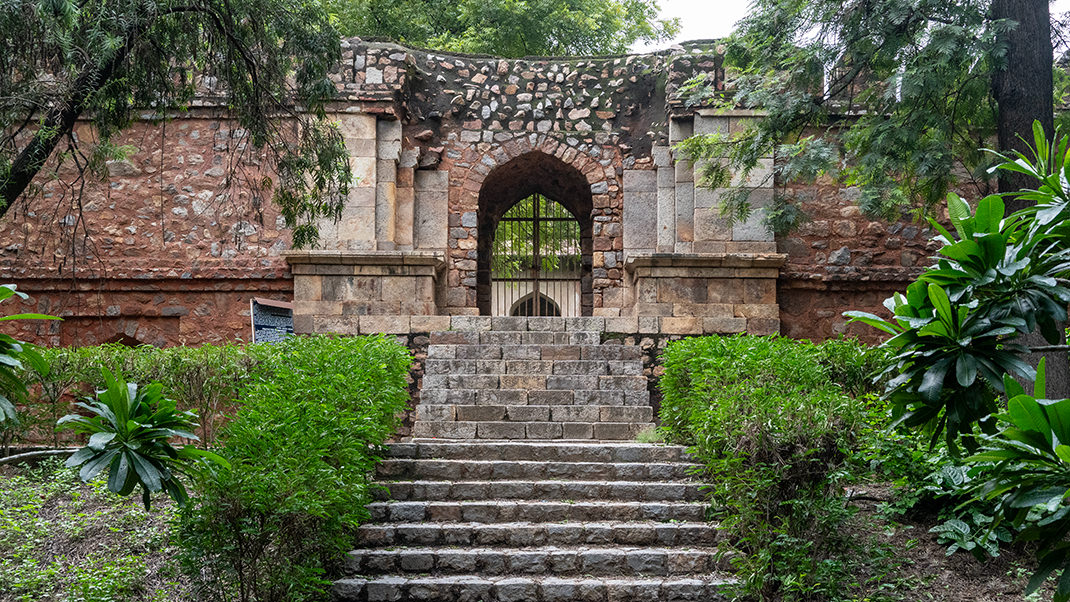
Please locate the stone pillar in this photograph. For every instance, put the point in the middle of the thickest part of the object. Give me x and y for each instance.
(640, 210)
(387, 154)
(713, 233)
(431, 210)
(356, 228)
(333, 288)
(666, 179)
(710, 293)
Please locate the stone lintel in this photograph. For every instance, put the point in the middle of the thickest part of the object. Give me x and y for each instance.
(428, 258)
(704, 260)
(713, 112)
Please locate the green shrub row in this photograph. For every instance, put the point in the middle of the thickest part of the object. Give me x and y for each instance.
(305, 420)
(775, 421)
(204, 379)
(276, 524)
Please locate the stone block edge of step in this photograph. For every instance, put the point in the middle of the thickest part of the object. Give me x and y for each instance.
(529, 430)
(594, 561)
(542, 589)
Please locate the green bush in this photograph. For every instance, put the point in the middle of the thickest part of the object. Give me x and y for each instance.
(740, 394)
(772, 421)
(276, 524)
(203, 379)
(130, 429)
(1030, 479)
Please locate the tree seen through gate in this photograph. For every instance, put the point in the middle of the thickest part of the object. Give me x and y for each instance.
(536, 260)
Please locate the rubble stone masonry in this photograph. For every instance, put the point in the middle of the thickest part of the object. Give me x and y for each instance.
(170, 248)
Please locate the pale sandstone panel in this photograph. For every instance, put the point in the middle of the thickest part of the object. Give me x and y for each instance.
(431, 210)
(640, 210)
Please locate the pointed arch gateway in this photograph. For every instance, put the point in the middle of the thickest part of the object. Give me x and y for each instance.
(534, 238)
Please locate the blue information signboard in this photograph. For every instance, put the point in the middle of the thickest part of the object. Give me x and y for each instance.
(272, 321)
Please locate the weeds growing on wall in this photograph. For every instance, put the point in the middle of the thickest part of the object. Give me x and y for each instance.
(775, 424)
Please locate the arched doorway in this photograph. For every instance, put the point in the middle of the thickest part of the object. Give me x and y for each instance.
(528, 306)
(534, 239)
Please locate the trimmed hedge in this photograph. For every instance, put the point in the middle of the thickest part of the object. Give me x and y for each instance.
(747, 394)
(775, 424)
(276, 525)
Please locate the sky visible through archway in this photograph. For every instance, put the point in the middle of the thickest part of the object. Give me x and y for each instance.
(708, 19)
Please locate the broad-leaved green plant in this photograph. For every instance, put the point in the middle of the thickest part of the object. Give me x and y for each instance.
(130, 430)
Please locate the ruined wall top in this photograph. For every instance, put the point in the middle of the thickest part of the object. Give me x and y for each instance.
(630, 96)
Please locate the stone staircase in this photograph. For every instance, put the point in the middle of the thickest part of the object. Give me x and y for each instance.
(521, 483)
(532, 378)
(535, 521)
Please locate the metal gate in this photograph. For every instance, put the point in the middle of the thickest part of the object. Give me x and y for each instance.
(536, 262)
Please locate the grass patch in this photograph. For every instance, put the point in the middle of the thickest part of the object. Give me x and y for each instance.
(61, 539)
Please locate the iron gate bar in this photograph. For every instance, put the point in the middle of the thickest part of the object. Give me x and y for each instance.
(530, 224)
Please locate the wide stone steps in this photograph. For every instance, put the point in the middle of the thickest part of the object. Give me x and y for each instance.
(527, 534)
(496, 511)
(461, 345)
(512, 451)
(527, 378)
(540, 490)
(535, 413)
(589, 561)
(617, 431)
(535, 521)
(479, 588)
(514, 470)
(520, 397)
(534, 367)
(534, 382)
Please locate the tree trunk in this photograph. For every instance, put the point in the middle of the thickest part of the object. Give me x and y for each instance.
(60, 121)
(1024, 94)
(1024, 89)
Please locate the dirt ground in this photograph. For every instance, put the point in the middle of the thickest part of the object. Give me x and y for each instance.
(924, 571)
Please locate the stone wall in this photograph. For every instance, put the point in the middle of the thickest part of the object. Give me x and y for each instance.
(839, 259)
(170, 249)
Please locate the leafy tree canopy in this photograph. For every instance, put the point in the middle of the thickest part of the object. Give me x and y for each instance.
(906, 87)
(102, 61)
(509, 28)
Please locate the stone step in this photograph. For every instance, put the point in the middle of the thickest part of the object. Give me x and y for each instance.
(497, 511)
(466, 345)
(527, 534)
(614, 431)
(478, 588)
(535, 382)
(534, 366)
(512, 397)
(534, 413)
(490, 562)
(517, 470)
(523, 323)
(631, 491)
(603, 452)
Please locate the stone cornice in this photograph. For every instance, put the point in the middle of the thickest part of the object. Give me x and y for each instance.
(435, 259)
(704, 260)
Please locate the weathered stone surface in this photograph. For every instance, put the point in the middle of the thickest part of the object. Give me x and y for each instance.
(430, 209)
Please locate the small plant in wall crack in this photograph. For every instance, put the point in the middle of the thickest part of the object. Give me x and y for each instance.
(129, 431)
